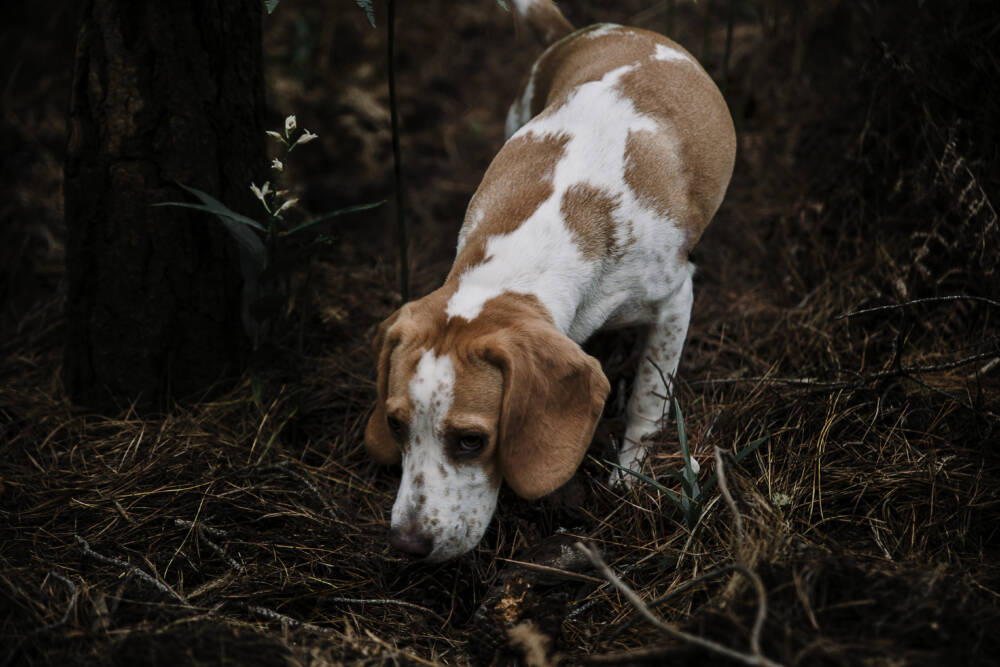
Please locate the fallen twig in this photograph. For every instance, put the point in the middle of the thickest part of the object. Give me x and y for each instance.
(687, 585)
(203, 532)
(272, 615)
(720, 473)
(131, 569)
(671, 631)
(932, 299)
(902, 371)
(554, 571)
(397, 603)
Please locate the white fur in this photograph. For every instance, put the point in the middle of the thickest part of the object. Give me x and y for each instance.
(664, 52)
(541, 258)
(453, 503)
(602, 29)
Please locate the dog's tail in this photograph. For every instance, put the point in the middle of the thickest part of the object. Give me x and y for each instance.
(544, 19)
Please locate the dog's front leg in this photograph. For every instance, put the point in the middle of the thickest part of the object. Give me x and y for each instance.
(648, 404)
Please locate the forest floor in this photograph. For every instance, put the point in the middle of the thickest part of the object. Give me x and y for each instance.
(846, 321)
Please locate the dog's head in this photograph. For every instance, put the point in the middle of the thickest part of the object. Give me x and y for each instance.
(465, 405)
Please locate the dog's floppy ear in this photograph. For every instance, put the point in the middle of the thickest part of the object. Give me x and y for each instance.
(379, 442)
(553, 396)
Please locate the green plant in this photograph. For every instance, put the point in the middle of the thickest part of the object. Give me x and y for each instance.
(266, 254)
(690, 500)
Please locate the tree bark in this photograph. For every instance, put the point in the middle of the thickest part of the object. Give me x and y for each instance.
(163, 92)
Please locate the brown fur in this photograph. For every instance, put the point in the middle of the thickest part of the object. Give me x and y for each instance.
(516, 183)
(539, 395)
(379, 442)
(683, 170)
(587, 211)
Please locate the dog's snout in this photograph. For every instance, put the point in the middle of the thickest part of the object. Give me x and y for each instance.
(411, 540)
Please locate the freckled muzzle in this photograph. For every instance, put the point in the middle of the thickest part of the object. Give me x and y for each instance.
(441, 510)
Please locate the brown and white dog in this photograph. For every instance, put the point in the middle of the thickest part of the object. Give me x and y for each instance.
(619, 153)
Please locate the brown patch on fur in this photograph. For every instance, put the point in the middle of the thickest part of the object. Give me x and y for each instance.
(683, 170)
(379, 441)
(581, 58)
(588, 212)
(516, 183)
(553, 395)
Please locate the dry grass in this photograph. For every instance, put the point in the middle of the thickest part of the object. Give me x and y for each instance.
(249, 528)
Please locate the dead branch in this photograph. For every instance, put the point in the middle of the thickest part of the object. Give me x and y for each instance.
(272, 615)
(671, 631)
(130, 569)
(914, 302)
(720, 472)
(203, 533)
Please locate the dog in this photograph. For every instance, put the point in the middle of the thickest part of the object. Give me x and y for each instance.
(620, 148)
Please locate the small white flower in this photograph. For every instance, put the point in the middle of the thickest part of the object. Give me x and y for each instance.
(266, 189)
(276, 135)
(289, 125)
(781, 499)
(288, 204)
(695, 466)
(257, 191)
(276, 164)
(306, 137)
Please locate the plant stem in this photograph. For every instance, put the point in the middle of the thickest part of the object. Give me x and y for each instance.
(404, 272)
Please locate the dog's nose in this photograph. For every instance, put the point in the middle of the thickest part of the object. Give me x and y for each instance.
(411, 540)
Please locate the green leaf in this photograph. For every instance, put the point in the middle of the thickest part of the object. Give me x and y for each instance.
(690, 477)
(369, 10)
(249, 242)
(682, 435)
(648, 480)
(215, 206)
(328, 216)
(235, 217)
(750, 449)
(253, 253)
(271, 5)
(742, 454)
(504, 4)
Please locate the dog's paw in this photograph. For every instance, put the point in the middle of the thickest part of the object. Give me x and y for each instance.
(631, 458)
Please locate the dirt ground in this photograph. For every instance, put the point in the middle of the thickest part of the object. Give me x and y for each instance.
(845, 320)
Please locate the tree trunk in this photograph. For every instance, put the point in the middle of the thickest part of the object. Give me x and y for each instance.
(163, 92)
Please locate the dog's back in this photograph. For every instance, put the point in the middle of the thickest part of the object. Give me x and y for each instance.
(620, 151)
(685, 168)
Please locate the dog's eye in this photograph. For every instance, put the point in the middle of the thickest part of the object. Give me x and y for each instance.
(395, 426)
(470, 443)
